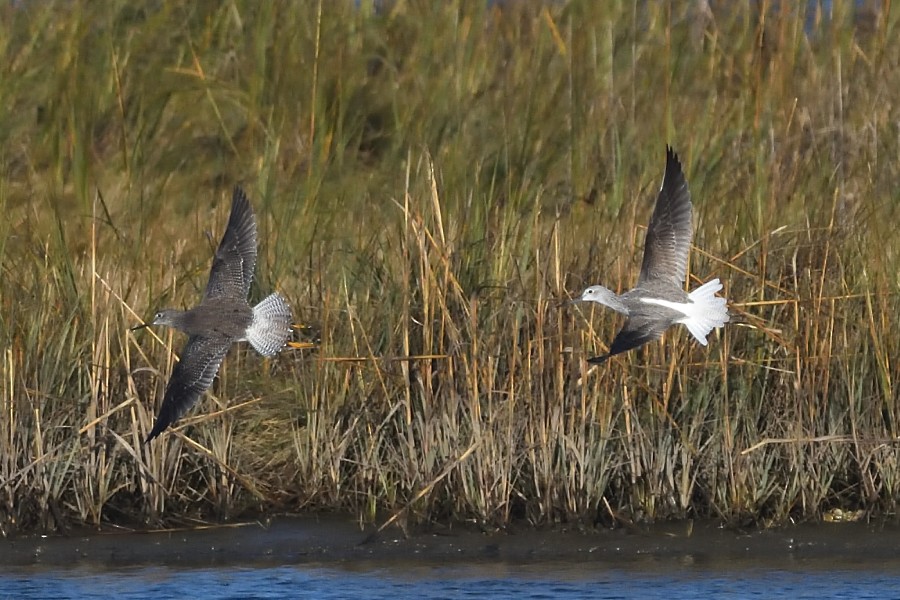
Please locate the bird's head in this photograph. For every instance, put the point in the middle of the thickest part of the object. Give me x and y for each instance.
(165, 316)
(593, 294)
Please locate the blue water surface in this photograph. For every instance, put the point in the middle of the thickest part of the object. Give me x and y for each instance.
(497, 581)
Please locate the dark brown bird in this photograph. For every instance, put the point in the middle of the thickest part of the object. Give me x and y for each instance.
(222, 318)
(659, 301)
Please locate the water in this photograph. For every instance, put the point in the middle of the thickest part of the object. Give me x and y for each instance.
(333, 558)
(498, 581)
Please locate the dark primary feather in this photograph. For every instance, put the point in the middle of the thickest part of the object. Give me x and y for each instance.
(636, 332)
(194, 373)
(669, 234)
(235, 260)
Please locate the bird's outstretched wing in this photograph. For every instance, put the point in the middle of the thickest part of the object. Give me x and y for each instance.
(637, 331)
(669, 234)
(194, 373)
(235, 260)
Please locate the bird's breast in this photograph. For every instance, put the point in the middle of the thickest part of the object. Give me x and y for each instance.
(226, 320)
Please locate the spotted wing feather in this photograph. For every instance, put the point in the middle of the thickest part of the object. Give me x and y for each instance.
(194, 373)
(235, 260)
(669, 234)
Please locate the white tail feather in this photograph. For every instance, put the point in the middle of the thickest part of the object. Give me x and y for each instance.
(705, 311)
(271, 326)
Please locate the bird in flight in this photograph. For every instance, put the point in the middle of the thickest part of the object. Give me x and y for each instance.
(222, 318)
(658, 300)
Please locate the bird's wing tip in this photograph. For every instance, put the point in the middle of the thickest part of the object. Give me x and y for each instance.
(598, 360)
(672, 158)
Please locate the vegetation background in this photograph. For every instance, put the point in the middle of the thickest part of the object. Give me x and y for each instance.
(431, 180)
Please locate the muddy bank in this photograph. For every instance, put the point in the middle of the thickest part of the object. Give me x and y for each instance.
(293, 540)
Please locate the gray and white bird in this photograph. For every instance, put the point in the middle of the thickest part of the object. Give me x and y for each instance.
(222, 318)
(659, 301)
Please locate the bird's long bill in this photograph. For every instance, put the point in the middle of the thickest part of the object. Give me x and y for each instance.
(136, 327)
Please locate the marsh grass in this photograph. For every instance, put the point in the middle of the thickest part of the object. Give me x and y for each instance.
(431, 184)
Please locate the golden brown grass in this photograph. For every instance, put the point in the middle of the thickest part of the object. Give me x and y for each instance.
(430, 184)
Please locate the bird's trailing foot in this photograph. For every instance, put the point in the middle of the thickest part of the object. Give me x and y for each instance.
(307, 331)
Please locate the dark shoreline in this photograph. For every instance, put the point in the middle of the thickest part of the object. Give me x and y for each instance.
(340, 541)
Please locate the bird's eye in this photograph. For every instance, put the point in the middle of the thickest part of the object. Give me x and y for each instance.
(590, 291)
